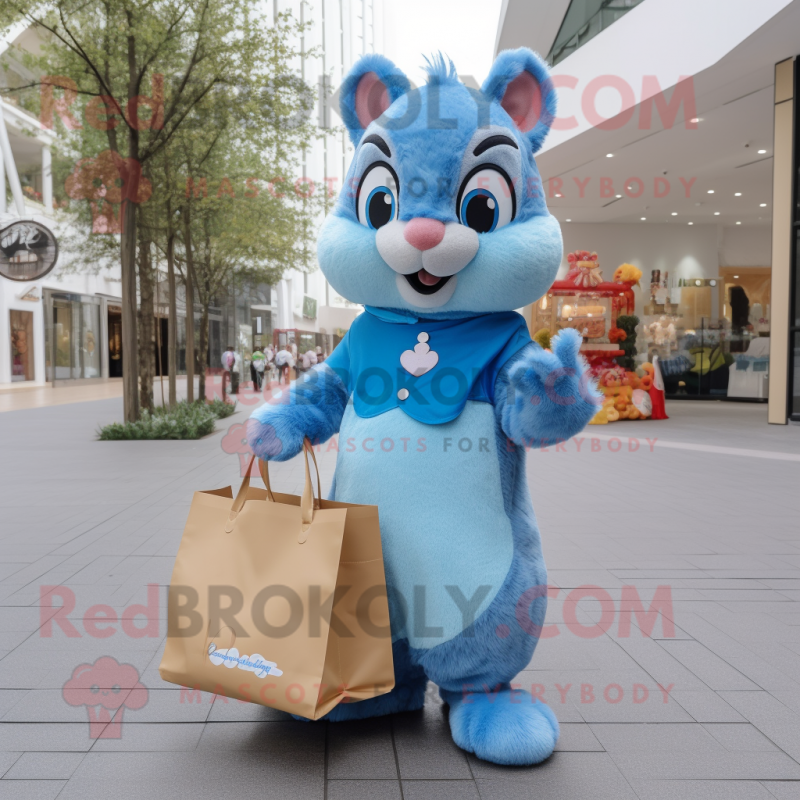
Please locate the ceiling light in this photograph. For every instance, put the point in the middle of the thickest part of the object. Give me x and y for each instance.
(763, 205)
(761, 152)
(737, 194)
(644, 218)
(569, 220)
(618, 196)
(716, 213)
(710, 191)
(738, 223)
(674, 213)
(609, 155)
(736, 277)
(695, 120)
(691, 223)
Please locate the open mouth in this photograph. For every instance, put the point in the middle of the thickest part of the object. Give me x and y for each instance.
(425, 283)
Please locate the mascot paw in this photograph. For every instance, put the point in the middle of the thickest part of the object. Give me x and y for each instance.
(505, 727)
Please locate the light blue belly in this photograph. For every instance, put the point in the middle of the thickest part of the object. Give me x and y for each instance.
(443, 524)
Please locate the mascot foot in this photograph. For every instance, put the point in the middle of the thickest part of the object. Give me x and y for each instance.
(406, 697)
(505, 727)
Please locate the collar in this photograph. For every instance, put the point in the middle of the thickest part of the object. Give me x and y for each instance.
(403, 317)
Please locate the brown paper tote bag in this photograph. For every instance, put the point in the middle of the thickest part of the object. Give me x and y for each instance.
(279, 600)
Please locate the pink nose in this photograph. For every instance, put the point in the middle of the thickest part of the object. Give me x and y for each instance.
(424, 233)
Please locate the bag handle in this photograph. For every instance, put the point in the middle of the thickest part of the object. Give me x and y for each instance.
(241, 495)
(307, 501)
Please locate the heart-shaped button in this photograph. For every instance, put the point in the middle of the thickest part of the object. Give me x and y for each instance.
(421, 359)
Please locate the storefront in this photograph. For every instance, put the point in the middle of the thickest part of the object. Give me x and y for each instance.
(82, 336)
(22, 345)
(680, 155)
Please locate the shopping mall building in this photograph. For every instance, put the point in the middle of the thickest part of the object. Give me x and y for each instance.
(676, 149)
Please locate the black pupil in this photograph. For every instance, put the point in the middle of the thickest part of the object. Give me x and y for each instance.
(479, 216)
(380, 209)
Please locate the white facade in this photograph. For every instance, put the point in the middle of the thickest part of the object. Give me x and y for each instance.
(340, 32)
(27, 193)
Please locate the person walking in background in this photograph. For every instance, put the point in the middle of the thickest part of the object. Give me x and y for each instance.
(236, 372)
(258, 365)
(232, 364)
(269, 357)
(228, 361)
(252, 366)
(309, 359)
(284, 361)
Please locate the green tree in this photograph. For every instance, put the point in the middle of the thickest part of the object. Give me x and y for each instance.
(243, 225)
(128, 77)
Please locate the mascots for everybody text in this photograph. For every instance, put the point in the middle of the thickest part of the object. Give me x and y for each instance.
(441, 231)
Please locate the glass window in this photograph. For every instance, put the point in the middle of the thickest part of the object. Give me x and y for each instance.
(73, 336)
(583, 21)
(22, 367)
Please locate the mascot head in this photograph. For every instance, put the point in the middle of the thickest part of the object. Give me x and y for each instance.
(443, 211)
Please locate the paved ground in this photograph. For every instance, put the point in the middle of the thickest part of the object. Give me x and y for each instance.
(710, 510)
(19, 396)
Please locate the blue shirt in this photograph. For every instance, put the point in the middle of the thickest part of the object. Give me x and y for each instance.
(428, 368)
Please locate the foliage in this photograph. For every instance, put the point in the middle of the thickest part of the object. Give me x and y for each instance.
(220, 408)
(162, 98)
(542, 338)
(231, 110)
(628, 323)
(182, 421)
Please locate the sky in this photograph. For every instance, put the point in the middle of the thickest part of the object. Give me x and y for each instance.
(465, 30)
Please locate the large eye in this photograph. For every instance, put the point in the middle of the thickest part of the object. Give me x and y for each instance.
(486, 200)
(377, 196)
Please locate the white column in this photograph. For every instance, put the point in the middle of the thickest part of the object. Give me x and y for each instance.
(363, 27)
(782, 233)
(47, 180)
(3, 203)
(11, 165)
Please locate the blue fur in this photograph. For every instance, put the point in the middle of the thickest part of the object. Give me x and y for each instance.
(440, 70)
(428, 131)
(395, 81)
(312, 407)
(507, 66)
(503, 725)
(545, 397)
(401, 483)
(539, 398)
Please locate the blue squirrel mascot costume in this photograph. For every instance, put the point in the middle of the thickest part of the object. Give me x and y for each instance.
(437, 389)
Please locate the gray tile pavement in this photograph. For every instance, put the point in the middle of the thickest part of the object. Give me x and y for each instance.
(710, 510)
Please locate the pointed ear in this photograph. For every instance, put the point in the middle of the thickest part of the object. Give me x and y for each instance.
(520, 82)
(371, 86)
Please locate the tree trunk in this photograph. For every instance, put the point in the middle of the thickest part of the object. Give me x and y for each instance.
(146, 326)
(172, 322)
(130, 367)
(202, 356)
(130, 344)
(190, 356)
